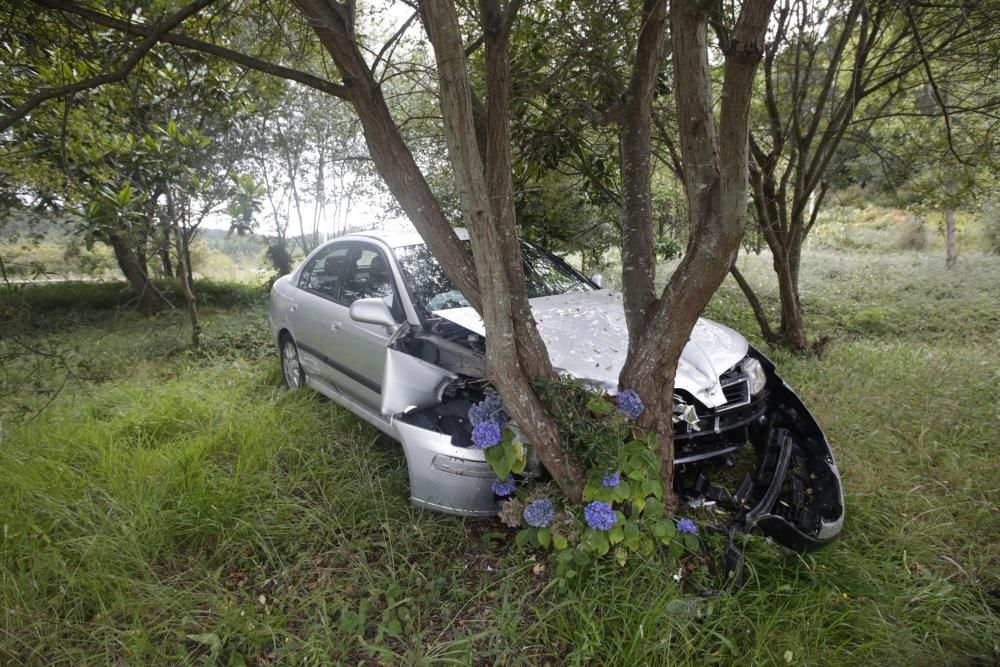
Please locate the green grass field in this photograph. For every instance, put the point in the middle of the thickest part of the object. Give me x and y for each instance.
(179, 507)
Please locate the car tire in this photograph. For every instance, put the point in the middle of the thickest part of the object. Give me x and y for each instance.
(291, 369)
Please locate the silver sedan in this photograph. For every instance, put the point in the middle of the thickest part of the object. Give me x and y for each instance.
(371, 321)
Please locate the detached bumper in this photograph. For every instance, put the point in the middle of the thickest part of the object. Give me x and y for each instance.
(795, 496)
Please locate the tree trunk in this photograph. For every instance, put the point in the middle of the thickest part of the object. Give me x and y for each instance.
(184, 270)
(151, 298)
(755, 305)
(503, 357)
(181, 242)
(164, 253)
(333, 24)
(638, 252)
(716, 175)
(531, 350)
(792, 331)
(187, 237)
(950, 244)
(794, 254)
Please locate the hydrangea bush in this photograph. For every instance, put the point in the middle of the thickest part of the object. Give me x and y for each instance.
(622, 512)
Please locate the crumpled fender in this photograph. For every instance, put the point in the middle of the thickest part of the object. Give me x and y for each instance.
(796, 496)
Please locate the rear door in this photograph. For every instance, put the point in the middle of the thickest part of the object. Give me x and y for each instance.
(318, 306)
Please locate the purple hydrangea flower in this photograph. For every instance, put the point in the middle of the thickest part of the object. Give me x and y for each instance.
(599, 515)
(485, 435)
(611, 479)
(540, 513)
(629, 404)
(687, 526)
(504, 487)
(490, 409)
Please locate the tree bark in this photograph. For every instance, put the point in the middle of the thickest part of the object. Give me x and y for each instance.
(163, 251)
(716, 175)
(638, 252)
(182, 245)
(500, 183)
(187, 289)
(502, 342)
(792, 331)
(951, 245)
(151, 298)
(755, 305)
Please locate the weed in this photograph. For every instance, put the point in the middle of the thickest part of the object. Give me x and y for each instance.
(176, 508)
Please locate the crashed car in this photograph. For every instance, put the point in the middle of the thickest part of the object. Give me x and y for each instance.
(371, 321)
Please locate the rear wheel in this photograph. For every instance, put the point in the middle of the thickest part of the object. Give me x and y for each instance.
(291, 369)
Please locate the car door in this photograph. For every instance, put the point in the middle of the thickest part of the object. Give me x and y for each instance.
(316, 307)
(358, 349)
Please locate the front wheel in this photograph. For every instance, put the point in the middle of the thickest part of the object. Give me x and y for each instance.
(291, 369)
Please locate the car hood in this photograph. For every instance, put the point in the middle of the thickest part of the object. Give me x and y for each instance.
(586, 337)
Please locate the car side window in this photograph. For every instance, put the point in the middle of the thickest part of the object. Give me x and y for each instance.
(368, 275)
(324, 272)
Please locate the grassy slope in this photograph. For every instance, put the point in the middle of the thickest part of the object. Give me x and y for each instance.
(180, 507)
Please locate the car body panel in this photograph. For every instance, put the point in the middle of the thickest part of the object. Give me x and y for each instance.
(456, 480)
(409, 383)
(586, 337)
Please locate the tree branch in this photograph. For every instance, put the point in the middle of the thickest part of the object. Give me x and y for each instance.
(391, 43)
(933, 84)
(306, 79)
(137, 55)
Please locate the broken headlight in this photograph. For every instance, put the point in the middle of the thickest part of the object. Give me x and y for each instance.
(755, 375)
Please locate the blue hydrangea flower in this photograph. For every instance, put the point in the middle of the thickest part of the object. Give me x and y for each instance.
(485, 435)
(490, 409)
(504, 487)
(611, 479)
(687, 526)
(540, 513)
(599, 515)
(629, 404)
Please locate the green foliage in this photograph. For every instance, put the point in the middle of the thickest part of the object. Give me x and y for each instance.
(989, 219)
(573, 408)
(668, 247)
(147, 512)
(623, 482)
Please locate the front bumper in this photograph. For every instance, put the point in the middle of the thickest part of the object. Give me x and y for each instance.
(443, 477)
(794, 495)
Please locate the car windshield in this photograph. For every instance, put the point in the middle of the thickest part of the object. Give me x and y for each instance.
(544, 276)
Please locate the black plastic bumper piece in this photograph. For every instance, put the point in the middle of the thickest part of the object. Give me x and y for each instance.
(796, 496)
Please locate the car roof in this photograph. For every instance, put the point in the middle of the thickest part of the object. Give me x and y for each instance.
(400, 238)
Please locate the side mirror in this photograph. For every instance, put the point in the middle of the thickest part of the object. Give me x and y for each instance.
(597, 279)
(372, 311)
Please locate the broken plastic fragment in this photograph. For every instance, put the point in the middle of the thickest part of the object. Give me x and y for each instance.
(687, 414)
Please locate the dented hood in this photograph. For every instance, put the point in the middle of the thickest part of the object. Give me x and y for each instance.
(586, 337)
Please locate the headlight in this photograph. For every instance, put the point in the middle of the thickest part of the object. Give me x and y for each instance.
(755, 374)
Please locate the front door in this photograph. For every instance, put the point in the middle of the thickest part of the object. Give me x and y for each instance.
(356, 350)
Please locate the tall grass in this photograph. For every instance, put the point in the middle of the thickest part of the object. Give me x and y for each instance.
(181, 508)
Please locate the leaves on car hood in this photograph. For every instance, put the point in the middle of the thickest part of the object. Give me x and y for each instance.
(586, 337)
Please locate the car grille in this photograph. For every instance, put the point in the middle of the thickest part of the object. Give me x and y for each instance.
(739, 409)
(737, 391)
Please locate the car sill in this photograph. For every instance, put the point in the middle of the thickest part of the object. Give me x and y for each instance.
(338, 397)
